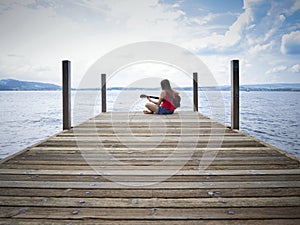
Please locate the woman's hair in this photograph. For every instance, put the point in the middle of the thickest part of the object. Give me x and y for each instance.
(165, 85)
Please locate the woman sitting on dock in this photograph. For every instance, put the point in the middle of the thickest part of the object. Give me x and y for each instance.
(165, 103)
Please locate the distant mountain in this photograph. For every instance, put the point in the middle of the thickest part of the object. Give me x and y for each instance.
(17, 85)
(251, 87)
(248, 87)
(271, 87)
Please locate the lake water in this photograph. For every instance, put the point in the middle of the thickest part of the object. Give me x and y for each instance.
(28, 117)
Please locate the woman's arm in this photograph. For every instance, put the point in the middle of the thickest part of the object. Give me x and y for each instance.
(161, 97)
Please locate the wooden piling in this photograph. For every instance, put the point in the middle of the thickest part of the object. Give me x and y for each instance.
(103, 92)
(66, 70)
(235, 94)
(195, 91)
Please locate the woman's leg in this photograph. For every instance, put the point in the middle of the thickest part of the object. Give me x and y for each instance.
(152, 107)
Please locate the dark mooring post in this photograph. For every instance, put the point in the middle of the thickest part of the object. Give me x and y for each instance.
(195, 91)
(235, 89)
(66, 69)
(103, 92)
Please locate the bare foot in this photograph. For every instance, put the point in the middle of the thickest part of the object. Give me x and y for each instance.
(147, 112)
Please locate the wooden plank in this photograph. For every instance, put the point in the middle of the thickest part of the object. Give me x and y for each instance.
(51, 158)
(157, 149)
(151, 213)
(145, 120)
(139, 134)
(116, 144)
(165, 130)
(141, 156)
(153, 167)
(153, 172)
(149, 222)
(146, 162)
(149, 138)
(154, 126)
(150, 193)
(145, 185)
(165, 178)
(150, 202)
(65, 154)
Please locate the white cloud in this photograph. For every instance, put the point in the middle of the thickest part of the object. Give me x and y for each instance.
(276, 69)
(282, 18)
(288, 68)
(249, 3)
(294, 8)
(92, 4)
(259, 48)
(218, 42)
(290, 43)
(234, 34)
(277, 23)
(295, 68)
(201, 20)
(176, 5)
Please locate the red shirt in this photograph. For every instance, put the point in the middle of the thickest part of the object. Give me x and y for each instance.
(167, 102)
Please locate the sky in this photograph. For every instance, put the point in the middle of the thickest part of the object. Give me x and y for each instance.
(36, 35)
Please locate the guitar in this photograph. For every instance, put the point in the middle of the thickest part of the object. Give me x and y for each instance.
(145, 96)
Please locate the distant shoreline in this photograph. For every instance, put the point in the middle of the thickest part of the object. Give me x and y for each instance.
(17, 85)
(146, 89)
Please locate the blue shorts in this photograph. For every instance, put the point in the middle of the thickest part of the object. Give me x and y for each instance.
(162, 110)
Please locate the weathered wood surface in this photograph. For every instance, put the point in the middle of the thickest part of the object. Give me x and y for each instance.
(130, 168)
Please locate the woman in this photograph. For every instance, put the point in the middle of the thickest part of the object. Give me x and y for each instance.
(165, 103)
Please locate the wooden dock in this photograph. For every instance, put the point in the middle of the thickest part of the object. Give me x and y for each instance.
(130, 168)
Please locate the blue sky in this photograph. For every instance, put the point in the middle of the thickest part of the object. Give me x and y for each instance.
(263, 34)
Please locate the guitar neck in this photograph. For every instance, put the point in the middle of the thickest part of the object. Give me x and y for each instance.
(155, 97)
